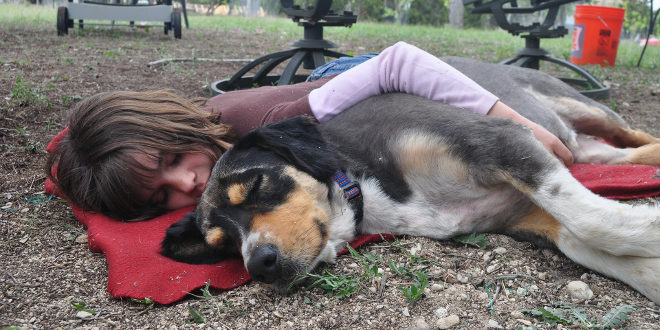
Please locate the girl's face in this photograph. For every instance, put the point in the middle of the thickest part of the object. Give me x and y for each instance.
(178, 180)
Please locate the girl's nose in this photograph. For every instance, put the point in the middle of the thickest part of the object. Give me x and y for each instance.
(183, 181)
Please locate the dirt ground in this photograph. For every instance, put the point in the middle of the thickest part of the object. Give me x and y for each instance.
(45, 264)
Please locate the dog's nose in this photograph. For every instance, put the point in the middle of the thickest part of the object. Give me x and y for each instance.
(264, 264)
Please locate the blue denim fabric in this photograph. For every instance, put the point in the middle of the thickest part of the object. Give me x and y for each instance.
(338, 66)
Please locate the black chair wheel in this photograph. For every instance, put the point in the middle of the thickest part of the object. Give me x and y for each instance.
(62, 21)
(176, 23)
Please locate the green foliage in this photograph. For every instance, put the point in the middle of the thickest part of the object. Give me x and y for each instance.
(197, 317)
(66, 100)
(145, 301)
(414, 269)
(416, 291)
(81, 307)
(570, 314)
(616, 317)
(638, 16)
(479, 241)
(33, 147)
(334, 285)
(429, 12)
(211, 302)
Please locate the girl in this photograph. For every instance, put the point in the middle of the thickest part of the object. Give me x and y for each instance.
(135, 155)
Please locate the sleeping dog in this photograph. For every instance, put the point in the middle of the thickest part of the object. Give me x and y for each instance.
(290, 195)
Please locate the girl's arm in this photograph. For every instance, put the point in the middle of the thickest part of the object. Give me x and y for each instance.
(408, 69)
(400, 68)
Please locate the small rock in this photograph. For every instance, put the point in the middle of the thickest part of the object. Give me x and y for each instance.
(437, 287)
(625, 104)
(525, 322)
(420, 324)
(542, 276)
(441, 312)
(278, 314)
(482, 296)
(500, 250)
(492, 324)
(416, 249)
(517, 315)
(405, 311)
(579, 290)
(547, 253)
(81, 239)
(487, 256)
(462, 278)
(25, 210)
(491, 268)
(83, 315)
(448, 322)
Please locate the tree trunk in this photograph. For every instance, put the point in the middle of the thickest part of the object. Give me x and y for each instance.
(253, 8)
(456, 14)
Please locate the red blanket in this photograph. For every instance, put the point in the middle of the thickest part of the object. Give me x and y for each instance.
(137, 270)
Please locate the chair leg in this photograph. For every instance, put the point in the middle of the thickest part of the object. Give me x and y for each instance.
(598, 90)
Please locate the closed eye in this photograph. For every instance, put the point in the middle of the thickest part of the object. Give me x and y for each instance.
(171, 159)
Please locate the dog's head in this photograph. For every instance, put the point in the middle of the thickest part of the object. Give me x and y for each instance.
(267, 200)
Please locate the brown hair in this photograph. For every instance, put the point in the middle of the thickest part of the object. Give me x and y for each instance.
(95, 162)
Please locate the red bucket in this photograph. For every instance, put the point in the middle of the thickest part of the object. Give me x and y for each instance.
(596, 34)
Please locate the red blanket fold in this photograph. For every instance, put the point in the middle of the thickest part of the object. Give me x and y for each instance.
(137, 270)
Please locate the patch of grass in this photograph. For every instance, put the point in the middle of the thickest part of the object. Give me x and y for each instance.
(33, 147)
(66, 100)
(211, 301)
(413, 271)
(21, 130)
(477, 240)
(339, 286)
(24, 93)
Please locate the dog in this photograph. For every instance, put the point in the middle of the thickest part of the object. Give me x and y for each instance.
(290, 195)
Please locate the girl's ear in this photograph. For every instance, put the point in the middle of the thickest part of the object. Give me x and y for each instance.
(297, 140)
(184, 242)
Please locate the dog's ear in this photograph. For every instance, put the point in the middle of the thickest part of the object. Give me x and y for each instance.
(297, 140)
(184, 242)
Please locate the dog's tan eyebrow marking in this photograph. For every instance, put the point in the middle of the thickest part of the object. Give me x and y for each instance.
(236, 193)
(214, 236)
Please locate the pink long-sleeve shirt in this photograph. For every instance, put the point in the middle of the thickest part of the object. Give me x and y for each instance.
(400, 68)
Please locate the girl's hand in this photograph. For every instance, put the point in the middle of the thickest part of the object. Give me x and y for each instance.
(549, 140)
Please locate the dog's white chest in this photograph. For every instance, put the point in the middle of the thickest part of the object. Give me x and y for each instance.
(438, 214)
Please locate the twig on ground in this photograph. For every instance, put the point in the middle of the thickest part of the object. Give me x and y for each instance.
(197, 59)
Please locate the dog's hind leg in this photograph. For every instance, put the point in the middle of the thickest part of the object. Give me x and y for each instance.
(590, 150)
(643, 274)
(541, 228)
(595, 119)
(616, 228)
